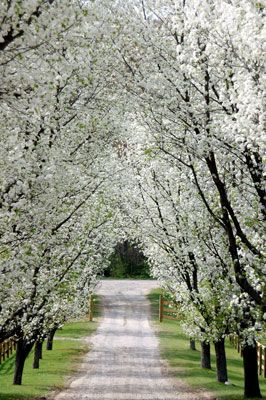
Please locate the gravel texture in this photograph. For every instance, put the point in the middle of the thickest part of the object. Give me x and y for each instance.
(124, 361)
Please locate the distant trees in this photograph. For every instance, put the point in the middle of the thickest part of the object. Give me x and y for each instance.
(127, 261)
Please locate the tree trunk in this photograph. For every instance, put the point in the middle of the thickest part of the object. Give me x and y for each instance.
(37, 354)
(205, 355)
(221, 365)
(252, 388)
(50, 338)
(40, 349)
(192, 344)
(23, 350)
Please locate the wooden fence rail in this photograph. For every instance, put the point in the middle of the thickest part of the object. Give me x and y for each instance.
(261, 353)
(90, 308)
(6, 349)
(236, 342)
(8, 346)
(168, 310)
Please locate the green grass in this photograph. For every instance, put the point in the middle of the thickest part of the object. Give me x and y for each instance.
(76, 329)
(174, 346)
(55, 367)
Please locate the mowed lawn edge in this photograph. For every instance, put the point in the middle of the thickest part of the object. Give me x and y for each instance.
(185, 363)
(56, 367)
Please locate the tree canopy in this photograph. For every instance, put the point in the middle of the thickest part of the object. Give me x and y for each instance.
(140, 121)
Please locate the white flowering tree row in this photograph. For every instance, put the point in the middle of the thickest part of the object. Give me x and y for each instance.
(196, 80)
(181, 84)
(55, 161)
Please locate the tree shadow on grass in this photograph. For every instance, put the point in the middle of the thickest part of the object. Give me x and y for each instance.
(13, 397)
(7, 366)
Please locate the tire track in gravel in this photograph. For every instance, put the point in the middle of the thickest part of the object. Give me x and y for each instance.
(124, 361)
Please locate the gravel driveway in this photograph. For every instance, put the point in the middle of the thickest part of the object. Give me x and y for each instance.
(124, 362)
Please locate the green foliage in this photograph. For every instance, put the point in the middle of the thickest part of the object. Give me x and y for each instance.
(127, 262)
(259, 6)
(151, 152)
(118, 268)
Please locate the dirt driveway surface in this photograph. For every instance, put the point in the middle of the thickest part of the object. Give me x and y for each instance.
(124, 362)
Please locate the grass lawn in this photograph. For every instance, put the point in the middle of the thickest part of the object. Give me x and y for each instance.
(174, 346)
(55, 367)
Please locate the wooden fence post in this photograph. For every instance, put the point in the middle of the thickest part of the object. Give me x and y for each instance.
(161, 308)
(90, 308)
(6, 348)
(238, 345)
(264, 361)
(259, 356)
(261, 353)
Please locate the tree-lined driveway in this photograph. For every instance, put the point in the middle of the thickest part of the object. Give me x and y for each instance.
(124, 362)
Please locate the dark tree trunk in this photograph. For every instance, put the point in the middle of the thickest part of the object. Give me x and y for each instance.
(40, 349)
(205, 355)
(192, 344)
(23, 350)
(252, 388)
(221, 365)
(37, 354)
(50, 338)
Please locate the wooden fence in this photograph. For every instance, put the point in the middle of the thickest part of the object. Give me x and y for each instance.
(167, 309)
(261, 353)
(6, 348)
(236, 342)
(90, 315)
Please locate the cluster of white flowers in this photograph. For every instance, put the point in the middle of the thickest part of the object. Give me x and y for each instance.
(55, 161)
(196, 197)
(133, 120)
